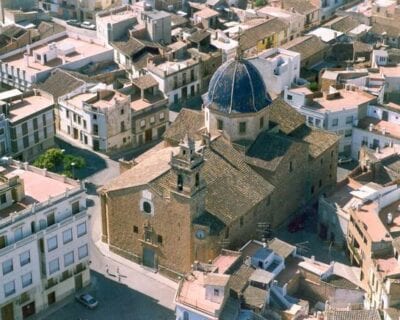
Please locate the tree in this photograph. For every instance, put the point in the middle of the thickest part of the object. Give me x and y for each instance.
(313, 86)
(260, 3)
(50, 159)
(79, 162)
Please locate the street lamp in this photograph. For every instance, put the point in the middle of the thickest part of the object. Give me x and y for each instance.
(73, 169)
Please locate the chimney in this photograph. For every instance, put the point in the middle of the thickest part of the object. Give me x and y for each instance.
(26, 59)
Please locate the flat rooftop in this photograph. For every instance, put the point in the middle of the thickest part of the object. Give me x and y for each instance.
(347, 100)
(368, 214)
(94, 100)
(116, 17)
(83, 50)
(193, 292)
(28, 106)
(380, 127)
(394, 227)
(38, 187)
(393, 71)
(224, 261)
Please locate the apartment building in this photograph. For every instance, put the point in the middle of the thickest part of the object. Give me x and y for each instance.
(97, 118)
(25, 66)
(27, 124)
(378, 129)
(337, 110)
(279, 68)
(43, 239)
(178, 79)
(370, 241)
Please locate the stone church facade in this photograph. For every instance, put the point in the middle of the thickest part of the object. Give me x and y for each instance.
(243, 160)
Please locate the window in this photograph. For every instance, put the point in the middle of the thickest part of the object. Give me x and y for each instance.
(146, 207)
(25, 141)
(75, 207)
(54, 266)
(67, 236)
(67, 113)
(81, 229)
(44, 119)
(310, 121)
(135, 229)
(152, 120)
(45, 133)
(36, 136)
(122, 111)
(197, 179)
(320, 183)
(142, 123)
(322, 161)
(24, 128)
(84, 124)
(220, 124)
(52, 243)
(68, 259)
(24, 258)
(349, 120)
(242, 127)
(9, 288)
(159, 239)
(8, 266)
(312, 190)
(162, 115)
(3, 198)
(94, 116)
(18, 234)
(95, 129)
(261, 122)
(83, 251)
(335, 122)
(180, 182)
(241, 221)
(290, 166)
(26, 280)
(348, 133)
(123, 126)
(289, 97)
(35, 123)
(216, 292)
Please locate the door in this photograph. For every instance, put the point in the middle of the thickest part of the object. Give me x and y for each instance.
(96, 144)
(78, 282)
(76, 133)
(28, 310)
(51, 298)
(385, 116)
(149, 258)
(148, 135)
(7, 312)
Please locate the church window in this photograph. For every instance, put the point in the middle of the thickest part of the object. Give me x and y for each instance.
(220, 124)
(146, 207)
(290, 166)
(242, 127)
(261, 122)
(197, 183)
(180, 182)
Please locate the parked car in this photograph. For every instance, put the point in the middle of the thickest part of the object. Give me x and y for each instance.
(87, 300)
(74, 22)
(88, 25)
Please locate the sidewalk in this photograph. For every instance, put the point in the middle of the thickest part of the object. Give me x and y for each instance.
(103, 248)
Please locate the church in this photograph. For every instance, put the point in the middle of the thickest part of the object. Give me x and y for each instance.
(245, 160)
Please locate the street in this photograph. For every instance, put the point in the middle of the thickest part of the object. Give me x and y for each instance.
(132, 295)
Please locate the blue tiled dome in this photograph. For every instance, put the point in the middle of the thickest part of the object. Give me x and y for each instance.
(237, 87)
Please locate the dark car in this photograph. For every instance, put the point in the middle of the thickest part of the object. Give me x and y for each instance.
(74, 23)
(87, 300)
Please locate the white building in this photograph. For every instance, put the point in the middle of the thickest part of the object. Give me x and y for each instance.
(279, 68)
(227, 45)
(336, 110)
(97, 118)
(43, 239)
(25, 66)
(379, 129)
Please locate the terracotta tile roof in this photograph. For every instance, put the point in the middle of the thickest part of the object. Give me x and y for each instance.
(392, 29)
(145, 82)
(59, 83)
(187, 122)
(255, 297)
(342, 24)
(285, 116)
(307, 46)
(353, 315)
(300, 6)
(240, 278)
(319, 140)
(281, 248)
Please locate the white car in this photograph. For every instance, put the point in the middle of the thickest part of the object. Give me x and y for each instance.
(87, 300)
(88, 25)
